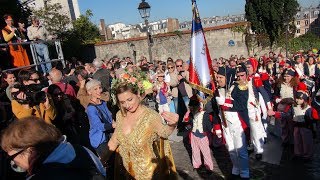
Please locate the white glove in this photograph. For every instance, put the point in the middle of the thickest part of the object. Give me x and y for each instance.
(278, 100)
(218, 133)
(220, 100)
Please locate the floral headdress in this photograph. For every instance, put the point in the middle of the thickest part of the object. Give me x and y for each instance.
(135, 80)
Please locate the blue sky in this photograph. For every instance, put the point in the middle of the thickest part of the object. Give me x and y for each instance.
(126, 11)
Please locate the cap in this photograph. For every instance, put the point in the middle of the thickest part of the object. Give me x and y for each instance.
(7, 17)
(241, 68)
(222, 71)
(302, 87)
(303, 95)
(290, 71)
(253, 62)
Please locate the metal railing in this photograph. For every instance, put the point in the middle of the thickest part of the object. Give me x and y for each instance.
(35, 58)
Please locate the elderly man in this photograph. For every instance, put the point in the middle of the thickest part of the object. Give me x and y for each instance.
(37, 32)
(103, 75)
(55, 76)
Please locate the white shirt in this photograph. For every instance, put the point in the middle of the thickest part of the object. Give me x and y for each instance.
(39, 31)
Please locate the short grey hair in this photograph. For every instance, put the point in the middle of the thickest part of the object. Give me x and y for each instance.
(97, 63)
(92, 83)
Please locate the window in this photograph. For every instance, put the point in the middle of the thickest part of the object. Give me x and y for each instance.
(306, 30)
(306, 15)
(298, 31)
(316, 13)
(298, 22)
(298, 16)
(306, 22)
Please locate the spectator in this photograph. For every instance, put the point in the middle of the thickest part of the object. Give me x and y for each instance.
(100, 118)
(102, 75)
(82, 94)
(34, 103)
(45, 154)
(11, 35)
(55, 76)
(37, 32)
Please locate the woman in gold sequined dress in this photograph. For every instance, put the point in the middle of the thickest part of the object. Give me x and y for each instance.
(140, 137)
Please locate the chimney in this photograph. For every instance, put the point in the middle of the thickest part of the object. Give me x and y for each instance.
(103, 29)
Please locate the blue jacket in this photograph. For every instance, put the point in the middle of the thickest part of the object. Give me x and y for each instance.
(97, 126)
(65, 154)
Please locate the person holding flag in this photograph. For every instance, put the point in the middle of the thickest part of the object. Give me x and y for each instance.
(235, 103)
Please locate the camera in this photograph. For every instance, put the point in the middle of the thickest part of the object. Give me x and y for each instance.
(34, 95)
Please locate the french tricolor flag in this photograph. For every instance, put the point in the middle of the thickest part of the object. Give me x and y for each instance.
(200, 69)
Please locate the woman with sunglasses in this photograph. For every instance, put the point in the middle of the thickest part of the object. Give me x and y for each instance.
(163, 92)
(173, 74)
(44, 153)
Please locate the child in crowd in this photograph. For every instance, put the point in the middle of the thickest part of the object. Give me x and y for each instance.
(162, 90)
(199, 136)
(303, 116)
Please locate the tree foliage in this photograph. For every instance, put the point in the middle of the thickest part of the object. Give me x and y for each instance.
(304, 42)
(15, 8)
(270, 17)
(54, 21)
(86, 31)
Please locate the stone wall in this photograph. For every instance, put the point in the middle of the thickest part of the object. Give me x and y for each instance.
(176, 45)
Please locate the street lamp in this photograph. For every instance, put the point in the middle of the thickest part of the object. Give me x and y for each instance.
(144, 10)
(287, 29)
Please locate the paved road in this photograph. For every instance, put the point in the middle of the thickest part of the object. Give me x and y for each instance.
(276, 166)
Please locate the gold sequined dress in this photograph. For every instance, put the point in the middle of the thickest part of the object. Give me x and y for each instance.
(145, 152)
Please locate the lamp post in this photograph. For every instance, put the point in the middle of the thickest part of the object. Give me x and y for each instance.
(287, 29)
(134, 52)
(144, 10)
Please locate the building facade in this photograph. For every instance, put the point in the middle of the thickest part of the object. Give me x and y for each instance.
(122, 31)
(214, 21)
(69, 7)
(307, 19)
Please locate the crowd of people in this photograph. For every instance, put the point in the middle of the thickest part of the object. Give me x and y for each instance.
(122, 113)
(111, 118)
(18, 53)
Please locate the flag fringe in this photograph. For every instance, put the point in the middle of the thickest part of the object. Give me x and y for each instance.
(202, 89)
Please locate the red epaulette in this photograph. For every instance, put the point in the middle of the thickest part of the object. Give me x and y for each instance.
(257, 82)
(264, 76)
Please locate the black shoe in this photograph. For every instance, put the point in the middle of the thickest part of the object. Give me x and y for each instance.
(258, 157)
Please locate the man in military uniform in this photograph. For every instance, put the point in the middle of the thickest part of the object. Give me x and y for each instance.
(232, 103)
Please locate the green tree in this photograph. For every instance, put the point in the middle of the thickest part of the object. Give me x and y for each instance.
(271, 17)
(86, 31)
(54, 21)
(83, 33)
(304, 42)
(15, 8)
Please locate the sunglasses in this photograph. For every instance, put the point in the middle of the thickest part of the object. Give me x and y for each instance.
(179, 65)
(160, 76)
(171, 67)
(11, 158)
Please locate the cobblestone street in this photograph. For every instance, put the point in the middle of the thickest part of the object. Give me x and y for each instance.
(289, 167)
